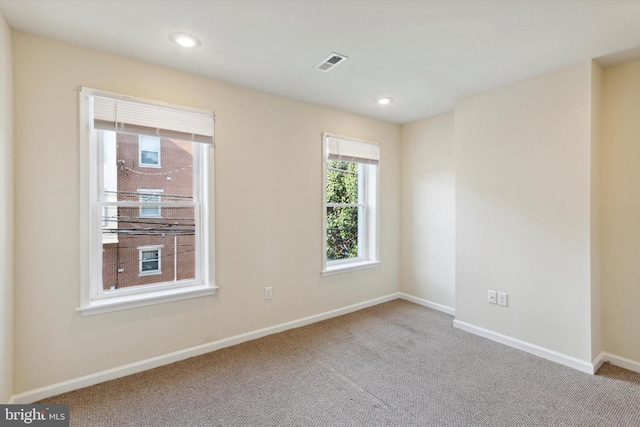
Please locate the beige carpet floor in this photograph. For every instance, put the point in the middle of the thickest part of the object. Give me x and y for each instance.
(396, 364)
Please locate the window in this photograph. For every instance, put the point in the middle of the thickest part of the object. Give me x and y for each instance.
(350, 204)
(144, 232)
(148, 151)
(150, 260)
(150, 200)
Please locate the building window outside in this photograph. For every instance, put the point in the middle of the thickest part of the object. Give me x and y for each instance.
(350, 204)
(149, 151)
(150, 260)
(147, 231)
(151, 200)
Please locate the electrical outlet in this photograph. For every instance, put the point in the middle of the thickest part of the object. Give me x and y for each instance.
(491, 297)
(502, 298)
(268, 292)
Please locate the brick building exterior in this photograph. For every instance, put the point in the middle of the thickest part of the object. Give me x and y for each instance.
(150, 244)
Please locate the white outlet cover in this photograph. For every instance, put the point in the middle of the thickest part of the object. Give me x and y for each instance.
(491, 297)
(503, 298)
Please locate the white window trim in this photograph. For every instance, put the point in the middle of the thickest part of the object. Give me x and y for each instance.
(159, 151)
(368, 232)
(91, 226)
(156, 204)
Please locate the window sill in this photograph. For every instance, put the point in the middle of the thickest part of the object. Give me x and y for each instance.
(108, 305)
(351, 266)
(149, 273)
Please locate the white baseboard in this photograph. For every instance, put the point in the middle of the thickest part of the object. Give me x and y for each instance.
(154, 362)
(598, 361)
(545, 353)
(426, 303)
(622, 362)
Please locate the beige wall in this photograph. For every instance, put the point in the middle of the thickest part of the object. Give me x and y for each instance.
(6, 214)
(428, 210)
(523, 210)
(620, 223)
(268, 215)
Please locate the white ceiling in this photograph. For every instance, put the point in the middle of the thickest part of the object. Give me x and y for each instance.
(424, 54)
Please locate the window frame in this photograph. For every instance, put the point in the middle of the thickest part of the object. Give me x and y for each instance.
(368, 205)
(93, 299)
(141, 260)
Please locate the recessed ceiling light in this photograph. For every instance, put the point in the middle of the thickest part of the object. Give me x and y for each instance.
(385, 100)
(185, 40)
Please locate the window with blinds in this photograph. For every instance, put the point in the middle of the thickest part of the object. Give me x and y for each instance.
(350, 204)
(146, 192)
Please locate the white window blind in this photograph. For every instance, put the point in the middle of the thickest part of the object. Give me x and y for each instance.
(350, 150)
(129, 115)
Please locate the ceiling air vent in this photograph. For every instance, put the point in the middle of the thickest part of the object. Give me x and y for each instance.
(331, 61)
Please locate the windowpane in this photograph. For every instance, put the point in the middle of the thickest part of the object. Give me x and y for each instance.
(150, 260)
(149, 157)
(342, 232)
(123, 177)
(342, 182)
(150, 266)
(150, 255)
(149, 211)
(174, 233)
(125, 229)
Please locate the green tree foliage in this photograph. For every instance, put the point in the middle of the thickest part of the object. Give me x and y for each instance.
(342, 221)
